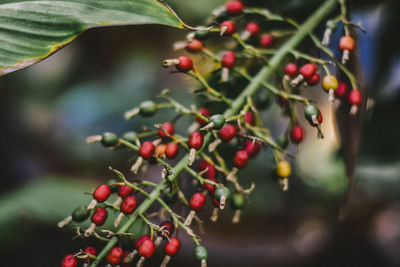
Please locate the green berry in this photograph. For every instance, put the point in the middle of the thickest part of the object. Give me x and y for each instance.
(80, 214)
(130, 137)
(169, 197)
(218, 120)
(200, 253)
(238, 201)
(202, 35)
(222, 192)
(283, 142)
(147, 108)
(109, 139)
(310, 111)
(113, 188)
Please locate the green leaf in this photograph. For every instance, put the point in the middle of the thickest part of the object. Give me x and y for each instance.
(33, 30)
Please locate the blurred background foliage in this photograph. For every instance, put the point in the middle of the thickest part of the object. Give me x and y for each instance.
(48, 110)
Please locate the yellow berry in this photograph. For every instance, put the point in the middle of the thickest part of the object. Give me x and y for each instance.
(283, 169)
(329, 82)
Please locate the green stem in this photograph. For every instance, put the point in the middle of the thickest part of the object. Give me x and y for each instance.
(264, 74)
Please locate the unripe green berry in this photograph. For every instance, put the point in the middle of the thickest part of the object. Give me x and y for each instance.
(80, 214)
(218, 120)
(130, 137)
(113, 188)
(169, 197)
(147, 108)
(283, 142)
(200, 253)
(222, 192)
(202, 35)
(109, 139)
(310, 111)
(238, 200)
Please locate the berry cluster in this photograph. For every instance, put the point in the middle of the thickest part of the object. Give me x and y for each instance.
(229, 117)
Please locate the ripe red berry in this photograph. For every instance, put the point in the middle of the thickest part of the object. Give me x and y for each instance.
(341, 90)
(205, 112)
(253, 28)
(147, 249)
(266, 40)
(194, 46)
(69, 261)
(314, 79)
(166, 127)
(101, 193)
(166, 229)
(241, 158)
(228, 59)
(291, 69)
(197, 201)
(202, 165)
(195, 140)
(355, 97)
(172, 150)
(90, 251)
(128, 205)
(308, 70)
(228, 27)
(249, 118)
(234, 8)
(99, 216)
(252, 148)
(172, 246)
(114, 256)
(124, 191)
(227, 132)
(146, 150)
(346, 43)
(185, 64)
(140, 241)
(297, 134)
(320, 118)
(283, 101)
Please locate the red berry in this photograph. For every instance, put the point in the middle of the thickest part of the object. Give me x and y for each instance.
(209, 187)
(241, 158)
(202, 165)
(172, 150)
(185, 64)
(234, 8)
(197, 201)
(314, 79)
(101, 193)
(146, 150)
(128, 205)
(266, 40)
(253, 28)
(140, 241)
(228, 59)
(124, 191)
(99, 216)
(147, 249)
(69, 261)
(355, 97)
(291, 69)
(308, 70)
(252, 148)
(249, 117)
(205, 112)
(195, 140)
(172, 246)
(341, 90)
(166, 229)
(297, 134)
(91, 251)
(194, 46)
(229, 27)
(227, 132)
(114, 256)
(346, 43)
(283, 101)
(167, 127)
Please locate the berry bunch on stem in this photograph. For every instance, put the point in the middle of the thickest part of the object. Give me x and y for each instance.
(236, 123)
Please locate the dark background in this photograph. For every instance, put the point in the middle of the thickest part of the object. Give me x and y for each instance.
(48, 110)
